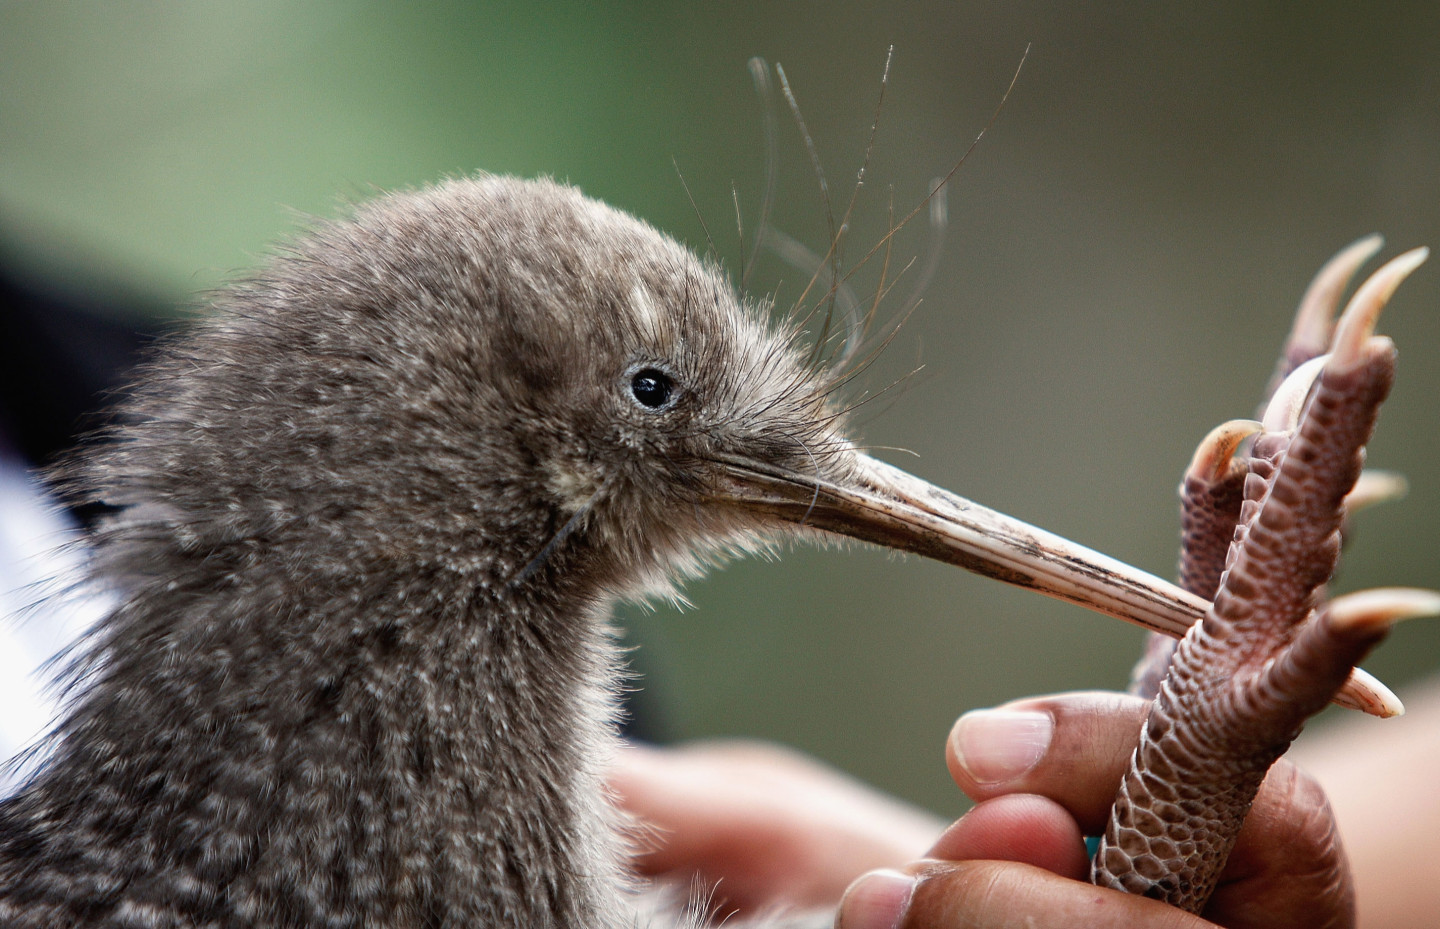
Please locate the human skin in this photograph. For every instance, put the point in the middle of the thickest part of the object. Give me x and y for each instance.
(1380, 777)
(778, 830)
(766, 825)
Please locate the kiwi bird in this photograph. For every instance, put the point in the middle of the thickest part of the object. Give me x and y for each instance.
(368, 518)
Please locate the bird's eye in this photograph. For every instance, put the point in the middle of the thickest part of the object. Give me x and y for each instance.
(652, 388)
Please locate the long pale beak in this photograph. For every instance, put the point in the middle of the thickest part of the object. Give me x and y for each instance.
(881, 504)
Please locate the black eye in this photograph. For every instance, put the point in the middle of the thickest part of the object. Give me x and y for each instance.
(652, 387)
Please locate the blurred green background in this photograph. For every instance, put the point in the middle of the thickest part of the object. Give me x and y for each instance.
(1125, 248)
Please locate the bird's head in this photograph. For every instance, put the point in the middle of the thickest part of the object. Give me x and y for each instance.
(507, 378)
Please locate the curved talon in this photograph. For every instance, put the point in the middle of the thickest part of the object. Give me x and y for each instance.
(1314, 323)
(1282, 413)
(1368, 694)
(1379, 609)
(1357, 323)
(1213, 454)
(1315, 319)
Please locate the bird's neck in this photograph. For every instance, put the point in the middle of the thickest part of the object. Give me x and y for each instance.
(394, 750)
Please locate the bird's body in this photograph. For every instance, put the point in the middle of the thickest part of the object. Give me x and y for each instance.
(369, 519)
(333, 694)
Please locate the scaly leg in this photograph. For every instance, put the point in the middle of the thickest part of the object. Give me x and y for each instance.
(1261, 537)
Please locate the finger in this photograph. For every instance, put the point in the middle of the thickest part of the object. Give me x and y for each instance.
(770, 826)
(997, 895)
(1021, 827)
(1073, 748)
(1287, 867)
(698, 822)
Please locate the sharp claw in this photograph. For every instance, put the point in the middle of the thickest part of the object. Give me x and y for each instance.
(1375, 611)
(1366, 693)
(1314, 324)
(1314, 321)
(1375, 486)
(1357, 323)
(1212, 456)
(1282, 413)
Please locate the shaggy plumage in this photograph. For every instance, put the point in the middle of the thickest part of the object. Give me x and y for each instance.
(372, 513)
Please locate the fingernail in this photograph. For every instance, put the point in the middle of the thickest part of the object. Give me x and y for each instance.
(877, 900)
(1000, 745)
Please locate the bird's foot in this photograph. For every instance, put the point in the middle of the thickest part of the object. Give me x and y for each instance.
(1261, 536)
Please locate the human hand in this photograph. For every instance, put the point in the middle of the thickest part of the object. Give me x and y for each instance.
(769, 828)
(1044, 772)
